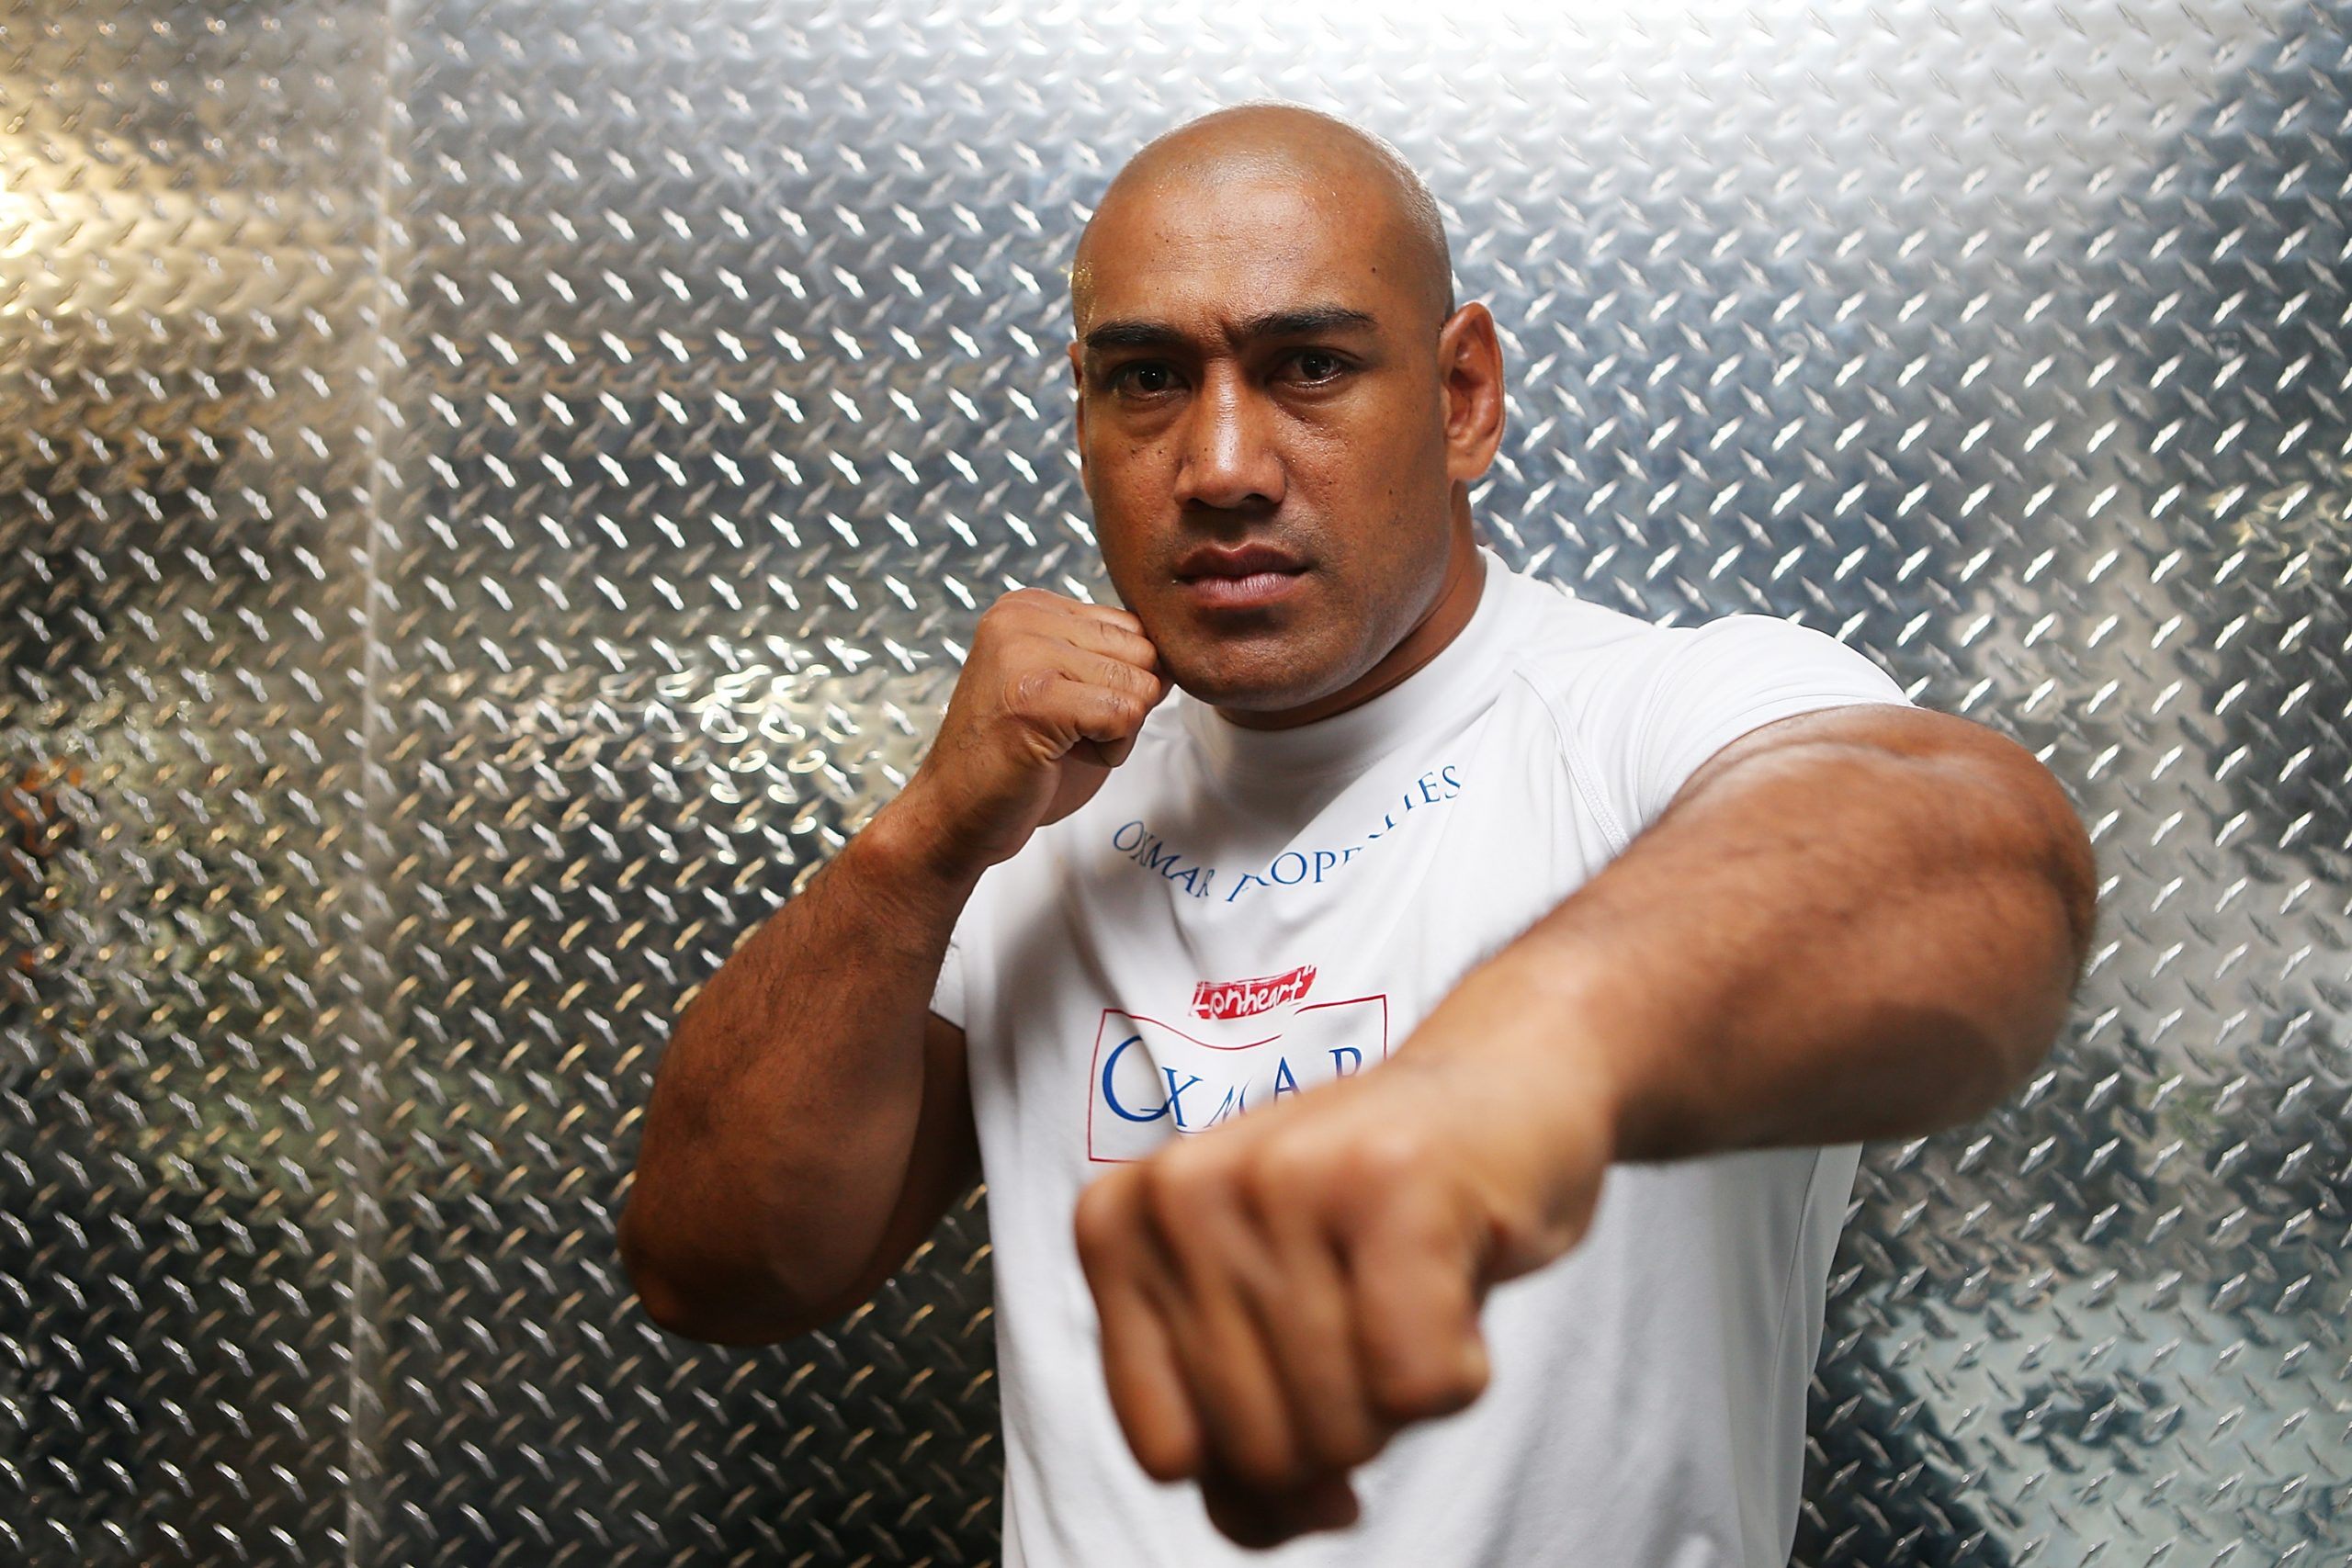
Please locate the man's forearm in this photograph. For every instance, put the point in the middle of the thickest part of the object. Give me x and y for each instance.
(779, 1163)
(1870, 929)
(788, 1097)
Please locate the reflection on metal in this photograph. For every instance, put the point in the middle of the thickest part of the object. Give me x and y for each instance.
(490, 495)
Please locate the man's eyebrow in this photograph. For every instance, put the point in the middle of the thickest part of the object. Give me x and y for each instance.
(1133, 335)
(1311, 321)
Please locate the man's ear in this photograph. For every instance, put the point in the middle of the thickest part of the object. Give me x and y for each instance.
(1470, 367)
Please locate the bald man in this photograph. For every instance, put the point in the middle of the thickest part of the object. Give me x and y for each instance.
(1416, 1025)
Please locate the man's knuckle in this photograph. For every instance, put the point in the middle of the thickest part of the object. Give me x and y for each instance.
(1003, 613)
(1178, 1167)
(1285, 1170)
(1389, 1158)
(1163, 1455)
(1031, 688)
(1376, 1436)
(1472, 1384)
(1402, 1391)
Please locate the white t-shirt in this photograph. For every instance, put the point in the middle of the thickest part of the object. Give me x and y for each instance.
(1239, 913)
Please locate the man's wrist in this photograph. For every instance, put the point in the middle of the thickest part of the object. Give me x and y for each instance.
(1506, 1068)
(1601, 1018)
(903, 844)
(1585, 1038)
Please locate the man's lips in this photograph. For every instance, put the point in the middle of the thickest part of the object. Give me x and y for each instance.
(1239, 577)
(1235, 561)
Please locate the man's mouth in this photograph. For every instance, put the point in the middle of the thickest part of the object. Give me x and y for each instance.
(1235, 576)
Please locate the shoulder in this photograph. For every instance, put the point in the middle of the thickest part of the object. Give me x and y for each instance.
(1637, 706)
(1557, 630)
(1584, 654)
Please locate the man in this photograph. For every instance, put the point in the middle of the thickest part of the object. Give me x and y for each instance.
(1444, 931)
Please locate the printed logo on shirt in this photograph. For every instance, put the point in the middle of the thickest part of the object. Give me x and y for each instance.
(1137, 841)
(1144, 847)
(1153, 1080)
(1244, 998)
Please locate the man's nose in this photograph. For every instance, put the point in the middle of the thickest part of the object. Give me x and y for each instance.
(1228, 458)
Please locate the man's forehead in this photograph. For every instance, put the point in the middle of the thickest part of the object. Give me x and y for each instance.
(1230, 252)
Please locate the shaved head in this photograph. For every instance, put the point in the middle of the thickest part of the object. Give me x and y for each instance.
(1280, 410)
(1274, 143)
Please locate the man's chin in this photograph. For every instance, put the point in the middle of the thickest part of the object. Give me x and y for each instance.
(1256, 692)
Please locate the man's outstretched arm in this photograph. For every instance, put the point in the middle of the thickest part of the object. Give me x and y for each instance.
(1858, 923)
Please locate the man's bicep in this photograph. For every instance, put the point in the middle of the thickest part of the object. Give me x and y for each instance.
(1882, 727)
(1987, 777)
(942, 1166)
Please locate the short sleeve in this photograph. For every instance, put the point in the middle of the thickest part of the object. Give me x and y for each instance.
(1675, 697)
(951, 993)
(947, 991)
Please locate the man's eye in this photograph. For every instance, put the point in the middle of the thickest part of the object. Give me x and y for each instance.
(1142, 377)
(1316, 365)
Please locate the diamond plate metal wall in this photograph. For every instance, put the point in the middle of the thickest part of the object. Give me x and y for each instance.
(490, 495)
(188, 333)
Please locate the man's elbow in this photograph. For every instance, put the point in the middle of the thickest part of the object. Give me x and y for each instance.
(669, 1309)
(664, 1303)
(2003, 806)
(2072, 869)
(2055, 847)
(741, 1313)
(2059, 872)
(2022, 853)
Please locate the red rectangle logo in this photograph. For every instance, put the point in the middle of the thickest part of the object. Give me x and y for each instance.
(1241, 998)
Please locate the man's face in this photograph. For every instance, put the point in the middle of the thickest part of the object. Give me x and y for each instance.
(1262, 430)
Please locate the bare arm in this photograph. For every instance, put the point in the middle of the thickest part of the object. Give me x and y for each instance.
(810, 1114)
(1856, 924)
(811, 1118)
(1860, 923)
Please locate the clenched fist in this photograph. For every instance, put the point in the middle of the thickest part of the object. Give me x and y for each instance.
(1280, 1296)
(1052, 694)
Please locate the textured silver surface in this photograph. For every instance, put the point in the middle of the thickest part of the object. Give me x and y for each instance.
(490, 495)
